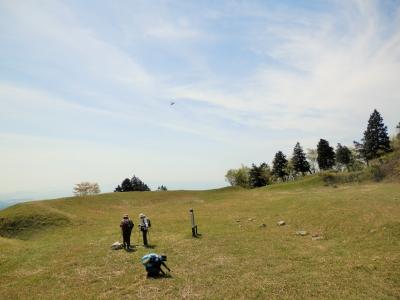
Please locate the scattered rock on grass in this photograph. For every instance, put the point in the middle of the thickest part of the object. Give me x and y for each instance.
(263, 225)
(281, 223)
(316, 236)
(301, 232)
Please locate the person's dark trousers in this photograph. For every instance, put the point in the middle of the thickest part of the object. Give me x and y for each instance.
(145, 237)
(127, 239)
(154, 271)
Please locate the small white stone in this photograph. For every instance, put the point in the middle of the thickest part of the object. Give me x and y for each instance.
(301, 232)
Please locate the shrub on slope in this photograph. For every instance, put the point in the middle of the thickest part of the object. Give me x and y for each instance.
(387, 166)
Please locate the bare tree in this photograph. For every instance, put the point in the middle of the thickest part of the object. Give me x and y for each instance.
(86, 188)
(312, 156)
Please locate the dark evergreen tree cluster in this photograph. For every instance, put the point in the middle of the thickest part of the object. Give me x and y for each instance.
(162, 188)
(376, 141)
(326, 155)
(343, 156)
(259, 175)
(131, 185)
(299, 161)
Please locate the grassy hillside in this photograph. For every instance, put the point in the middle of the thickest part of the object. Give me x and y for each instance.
(60, 249)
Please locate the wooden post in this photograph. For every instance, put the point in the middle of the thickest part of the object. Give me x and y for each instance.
(194, 226)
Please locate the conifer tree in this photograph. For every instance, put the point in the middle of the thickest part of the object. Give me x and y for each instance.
(138, 185)
(299, 161)
(259, 175)
(376, 140)
(134, 184)
(126, 185)
(326, 155)
(343, 156)
(279, 165)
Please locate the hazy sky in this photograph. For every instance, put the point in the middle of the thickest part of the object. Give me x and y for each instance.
(86, 86)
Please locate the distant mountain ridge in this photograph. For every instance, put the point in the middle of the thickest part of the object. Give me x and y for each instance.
(7, 203)
(4, 204)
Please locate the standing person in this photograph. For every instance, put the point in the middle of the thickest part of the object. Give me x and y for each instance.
(144, 225)
(153, 262)
(126, 228)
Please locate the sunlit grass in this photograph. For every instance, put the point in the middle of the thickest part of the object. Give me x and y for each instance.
(235, 257)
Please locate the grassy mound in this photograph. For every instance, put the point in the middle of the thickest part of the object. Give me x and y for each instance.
(23, 220)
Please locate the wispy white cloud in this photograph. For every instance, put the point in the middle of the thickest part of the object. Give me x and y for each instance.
(22, 100)
(344, 64)
(326, 69)
(52, 28)
(181, 29)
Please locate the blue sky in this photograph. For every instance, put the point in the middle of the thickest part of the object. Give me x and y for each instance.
(85, 87)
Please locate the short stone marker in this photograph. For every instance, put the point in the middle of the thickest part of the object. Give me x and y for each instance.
(281, 223)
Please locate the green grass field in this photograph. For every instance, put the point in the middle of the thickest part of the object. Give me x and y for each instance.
(60, 249)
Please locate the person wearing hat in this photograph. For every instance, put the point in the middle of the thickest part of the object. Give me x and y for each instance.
(144, 225)
(126, 228)
(153, 262)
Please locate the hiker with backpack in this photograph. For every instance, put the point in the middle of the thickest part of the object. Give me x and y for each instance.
(153, 262)
(126, 228)
(144, 225)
